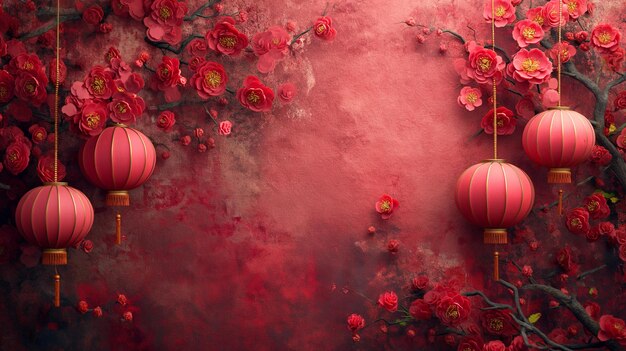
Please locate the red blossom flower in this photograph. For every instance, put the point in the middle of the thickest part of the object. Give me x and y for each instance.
(254, 95)
(551, 13)
(165, 20)
(93, 15)
(202, 148)
(504, 12)
(388, 301)
(224, 128)
(393, 246)
(271, 47)
(30, 86)
(286, 92)
(577, 221)
(619, 102)
(127, 316)
(197, 47)
(126, 107)
(600, 155)
(612, 328)
(565, 261)
(453, 310)
(420, 282)
(386, 205)
(576, 8)
(196, 62)
(498, 322)
(185, 140)
(470, 98)
(168, 73)
(592, 309)
(45, 169)
(209, 80)
(17, 156)
(355, 322)
(86, 245)
(597, 206)
(527, 32)
(166, 120)
(122, 300)
(605, 37)
(606, 228)
(7, 86)
(93, 118)
(531, 66)
(99, 82)
(420, 310)
(323, 28)
(505, 121)
(484, 65)
(536, 15)
(38, 133)
(471, 343)
(495, 345)
(97, 312)
(566, 50)
(615, 59)
(225, 38)
(82, 307)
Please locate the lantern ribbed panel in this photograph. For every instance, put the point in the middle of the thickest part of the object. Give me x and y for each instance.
(54, 216)
(120, 158)
(494, 194)
(558, 138)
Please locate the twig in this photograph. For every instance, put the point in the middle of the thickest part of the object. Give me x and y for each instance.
(198, 12)
(591, 271)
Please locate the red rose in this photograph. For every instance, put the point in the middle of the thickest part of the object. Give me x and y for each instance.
(185, 140)
(495, 345)
(128, 316)
(498, 322)
(82, 307)
(287, 92)
(195, 63)
(99, 82)
(453, 310)
(471, 343)
(620, 100)
(45, 169)
(600, 155)
(224, 128)
(389, 301)
(505, 121)
(166, 120)
(198, 132)
(30, 87)
(225, 38)
(93, 118)
(254, 95)
(38, 133)
(197, 47)
(386, 205)
(355, 322)
(122, 300)
(97, 312)
(612, 328)
(420, 310)
(577, 221)
(7, 86)
(87, 245)
(420, 282)
(597, 206)
(323, 28)
(209, 80)
(93, 15)
(126, 107)
(16, 157)
(202, 148)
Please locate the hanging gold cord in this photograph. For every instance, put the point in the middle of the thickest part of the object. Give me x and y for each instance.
(56, 96)
(495, 113)
(559, 53)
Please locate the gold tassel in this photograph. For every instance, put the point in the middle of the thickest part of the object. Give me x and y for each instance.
(560, 202)
(118, 229)
(118, 198)
(559, 176)
(57, 290)
(496, 265)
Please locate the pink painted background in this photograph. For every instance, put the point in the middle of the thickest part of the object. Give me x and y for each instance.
(262, 243)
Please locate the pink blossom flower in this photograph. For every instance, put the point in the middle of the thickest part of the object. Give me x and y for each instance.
(551, 13)
(470, 98)
(532, 66)
(505, 121)
(576, 8)
(165, 20)
(536, 15)
(323, 28)
(386, 205)
(504, 12)
(527, 32)
(286, 92)
(566, 50)
(484, 65)
(525, 108)
(224, 128)
(615, 59)
(225, 38)
(605, 37)
(271, 47)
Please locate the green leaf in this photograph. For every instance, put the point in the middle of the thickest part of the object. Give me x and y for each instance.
(533, 318)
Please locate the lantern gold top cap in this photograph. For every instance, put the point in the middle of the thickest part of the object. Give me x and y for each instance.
(120, 125)
(499, 160)
(56, 183)
(559, 108)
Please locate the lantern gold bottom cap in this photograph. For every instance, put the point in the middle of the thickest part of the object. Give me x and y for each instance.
(118, 198)
(559, 176)
(54, 257)
(495, 236)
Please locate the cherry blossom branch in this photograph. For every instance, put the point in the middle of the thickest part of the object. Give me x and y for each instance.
(487, 300)
(198, 12)
(43, 29)
(459, 37)
(591, 271)
(165, 46)
(5, 187)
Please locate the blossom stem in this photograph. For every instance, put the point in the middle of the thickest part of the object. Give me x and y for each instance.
(299, 35)
(591, 271)
(41, 30)
(198, 12)
(4, 186)
(165, 46)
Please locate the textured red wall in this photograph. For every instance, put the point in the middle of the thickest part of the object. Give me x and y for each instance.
(261, 243)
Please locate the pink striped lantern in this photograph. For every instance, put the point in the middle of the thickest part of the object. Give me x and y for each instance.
(118, 159)
(54, 216)
(559, 139)
(494, 195)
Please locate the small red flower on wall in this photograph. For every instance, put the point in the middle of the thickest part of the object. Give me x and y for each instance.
(470, 98)
(254, 95)
(45, 169)
(498, 322)
(577, 221)
(605, 37)
(271, 47)
(420, 310)
(612, 328)
(597, 206)
(209, 80)
(165, 20)
(355, 322)
(600, 155)
(166, 120)
(393, 246)
(225, 38)
(388, 301)
(505, 121)
(323, 28)
(386, 205)
(82, 307)
(453, 310)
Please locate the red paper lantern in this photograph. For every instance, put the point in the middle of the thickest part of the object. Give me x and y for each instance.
(558, 138)
(54, 216)
(494, 195)
(118, 160)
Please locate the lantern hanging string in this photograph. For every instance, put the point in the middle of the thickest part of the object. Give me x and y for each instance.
(56, 95)
(495, 113)
(559, 51)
